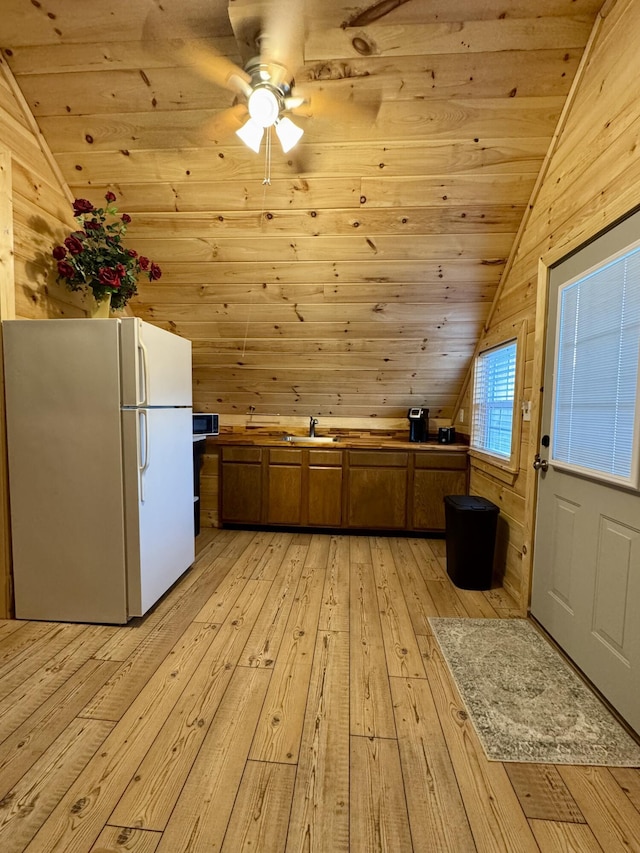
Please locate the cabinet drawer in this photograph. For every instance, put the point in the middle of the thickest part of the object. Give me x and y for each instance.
(457, 461)
(285, 456)
(325, 458)
(378, 459)
(242, 454)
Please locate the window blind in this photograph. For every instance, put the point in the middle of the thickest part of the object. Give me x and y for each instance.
(594, 405)
(493, 400)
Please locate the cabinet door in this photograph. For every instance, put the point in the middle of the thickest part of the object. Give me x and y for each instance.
(429, 490)
(378, 498)
(285, 494)
(241, 492)
(324, 506)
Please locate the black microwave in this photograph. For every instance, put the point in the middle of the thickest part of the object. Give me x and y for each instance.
(205, 424)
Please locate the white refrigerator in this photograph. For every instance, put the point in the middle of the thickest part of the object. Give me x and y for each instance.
(99, 433)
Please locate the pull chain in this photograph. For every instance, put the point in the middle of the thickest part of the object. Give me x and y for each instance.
(267, 165)
(266, 183)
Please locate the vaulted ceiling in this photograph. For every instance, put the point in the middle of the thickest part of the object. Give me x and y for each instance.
(356, 282)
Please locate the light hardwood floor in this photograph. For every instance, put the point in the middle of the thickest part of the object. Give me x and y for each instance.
(286, 695)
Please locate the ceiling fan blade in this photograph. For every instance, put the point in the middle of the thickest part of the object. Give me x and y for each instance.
(282, 38)
(317, 103)
(217, 68)
(272, 30)
(183, 46)
(227, 122)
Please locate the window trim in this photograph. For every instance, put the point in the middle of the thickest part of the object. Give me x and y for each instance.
(500, 337)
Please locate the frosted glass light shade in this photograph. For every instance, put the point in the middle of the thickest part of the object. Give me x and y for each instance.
(288, 133)
(251, 134)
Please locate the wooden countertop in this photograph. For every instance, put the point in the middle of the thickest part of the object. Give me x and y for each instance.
(369, 441)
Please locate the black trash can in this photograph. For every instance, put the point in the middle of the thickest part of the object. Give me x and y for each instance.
(471, 539)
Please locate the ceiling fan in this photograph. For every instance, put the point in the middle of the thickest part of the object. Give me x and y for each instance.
(270, 38)
(268, 96)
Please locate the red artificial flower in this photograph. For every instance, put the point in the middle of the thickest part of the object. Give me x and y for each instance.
(65, 270)
(82, 205)
(74, 245)
(94, 258)
(108, 277)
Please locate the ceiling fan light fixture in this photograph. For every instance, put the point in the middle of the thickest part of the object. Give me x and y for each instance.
(264, 106)
(288, 133)
(251, 134)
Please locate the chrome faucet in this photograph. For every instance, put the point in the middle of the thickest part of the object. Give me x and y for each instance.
(312, 426)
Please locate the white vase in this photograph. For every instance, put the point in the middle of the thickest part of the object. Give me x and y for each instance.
(100, 310)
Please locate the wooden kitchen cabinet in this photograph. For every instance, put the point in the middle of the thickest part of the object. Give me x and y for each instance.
(377, 489)
(435, 476)
(324, 488)
(368, 489)
(241, 485)
(284, 487)
(304, 487)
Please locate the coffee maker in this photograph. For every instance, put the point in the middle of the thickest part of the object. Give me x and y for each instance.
(418, 424)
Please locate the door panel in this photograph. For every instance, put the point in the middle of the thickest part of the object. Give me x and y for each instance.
(563, 547)
(618, 561)
(586, 577)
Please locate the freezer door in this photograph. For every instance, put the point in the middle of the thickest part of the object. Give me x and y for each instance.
(158, 474)
(65, 466)
(156, 366)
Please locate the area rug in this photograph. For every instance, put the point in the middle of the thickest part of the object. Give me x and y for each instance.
(526, 703)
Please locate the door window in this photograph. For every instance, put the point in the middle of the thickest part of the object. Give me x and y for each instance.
(596, 374)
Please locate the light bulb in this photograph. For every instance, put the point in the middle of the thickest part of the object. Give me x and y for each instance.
(263, 106)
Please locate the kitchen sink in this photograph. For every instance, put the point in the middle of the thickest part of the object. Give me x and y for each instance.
(311, 439)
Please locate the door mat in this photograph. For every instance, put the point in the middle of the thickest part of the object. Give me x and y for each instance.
(526, 703)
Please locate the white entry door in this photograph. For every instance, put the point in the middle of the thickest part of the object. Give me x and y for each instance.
(586, 576)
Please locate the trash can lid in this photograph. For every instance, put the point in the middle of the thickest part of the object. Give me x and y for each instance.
(471, 502)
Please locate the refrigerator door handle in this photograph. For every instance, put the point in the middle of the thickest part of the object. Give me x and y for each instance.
(144, 374)
(143, 433)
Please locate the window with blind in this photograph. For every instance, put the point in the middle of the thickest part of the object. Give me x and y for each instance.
(493, 400)
(596, 381)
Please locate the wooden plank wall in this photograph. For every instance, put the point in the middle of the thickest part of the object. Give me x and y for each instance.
(355, 284)
(42, 213)
(593, 178)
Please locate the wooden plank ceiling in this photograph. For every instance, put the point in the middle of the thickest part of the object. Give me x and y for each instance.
(357, 282)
